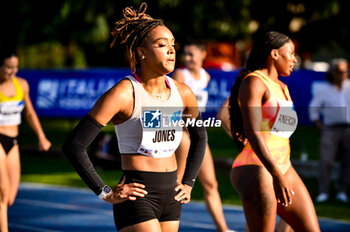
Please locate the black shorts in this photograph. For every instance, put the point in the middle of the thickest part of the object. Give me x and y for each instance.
(159, 203)
(7, 142)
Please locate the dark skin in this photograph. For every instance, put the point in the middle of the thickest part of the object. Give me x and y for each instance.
(252, 96)
(266, 191)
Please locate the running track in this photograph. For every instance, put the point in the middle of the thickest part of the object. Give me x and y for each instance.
(46, 208)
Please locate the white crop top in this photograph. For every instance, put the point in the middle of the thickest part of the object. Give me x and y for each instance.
(152, 129)
(199, 87)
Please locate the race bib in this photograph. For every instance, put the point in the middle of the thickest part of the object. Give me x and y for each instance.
(286, 120)
(162, 131)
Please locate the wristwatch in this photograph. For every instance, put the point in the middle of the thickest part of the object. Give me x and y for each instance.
(105, 191)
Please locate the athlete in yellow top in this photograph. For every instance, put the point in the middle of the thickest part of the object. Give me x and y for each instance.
(277, 109)
(14, 97)
(197, 79)
(262, 118)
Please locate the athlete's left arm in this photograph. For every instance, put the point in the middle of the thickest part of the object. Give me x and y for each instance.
(32, 117)
(198, 135)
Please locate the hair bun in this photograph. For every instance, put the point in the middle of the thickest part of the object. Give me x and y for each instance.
(130, 13)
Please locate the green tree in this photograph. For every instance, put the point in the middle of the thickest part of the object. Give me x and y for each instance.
(75, 33)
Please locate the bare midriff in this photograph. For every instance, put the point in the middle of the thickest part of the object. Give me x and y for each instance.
(145, 163)
(11, 131)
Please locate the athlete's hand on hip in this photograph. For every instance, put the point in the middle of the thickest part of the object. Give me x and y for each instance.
(123, 192)
(184, 193)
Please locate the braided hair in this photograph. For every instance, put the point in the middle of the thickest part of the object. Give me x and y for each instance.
(133, 29)
(256, 60)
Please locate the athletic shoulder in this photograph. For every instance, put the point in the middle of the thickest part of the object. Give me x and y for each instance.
(122, 90)
(116, 100)
(23, 83)
(178, 75)
(183, 89)
(253, 81)
(253, 90)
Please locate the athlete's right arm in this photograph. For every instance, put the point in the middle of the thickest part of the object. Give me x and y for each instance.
(116, 101)
(251, 94)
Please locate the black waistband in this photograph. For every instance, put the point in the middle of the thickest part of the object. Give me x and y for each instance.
(158, 180)
(8, 137)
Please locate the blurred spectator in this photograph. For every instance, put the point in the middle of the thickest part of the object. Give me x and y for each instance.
(332, 102)
(307, 63)
(14, 98)
(197, 79)
(223, 56)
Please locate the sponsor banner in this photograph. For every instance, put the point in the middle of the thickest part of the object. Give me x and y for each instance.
(69, 93)
(72, 93)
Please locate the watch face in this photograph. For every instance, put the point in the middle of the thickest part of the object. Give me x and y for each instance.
(106, 189)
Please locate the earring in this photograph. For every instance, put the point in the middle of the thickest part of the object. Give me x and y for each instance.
(143, 57)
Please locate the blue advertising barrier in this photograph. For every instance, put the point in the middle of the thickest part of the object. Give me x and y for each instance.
(72, 93)
(301, 86)
(69, 93)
